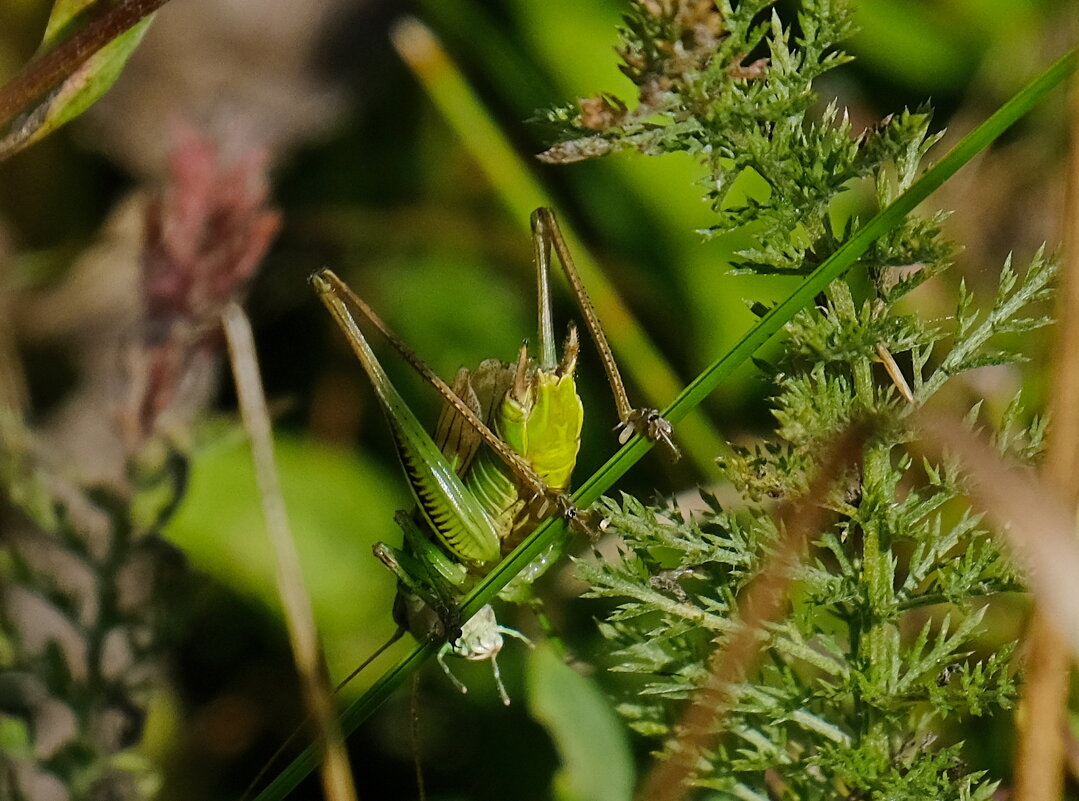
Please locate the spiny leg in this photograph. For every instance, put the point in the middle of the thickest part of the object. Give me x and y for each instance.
(415, 579)
(456, 516)
(330, 287)
(441, 658)
(647, 422)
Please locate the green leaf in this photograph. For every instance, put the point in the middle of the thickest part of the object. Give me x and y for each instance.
(596, 760)
(62, 81)
(338, 505)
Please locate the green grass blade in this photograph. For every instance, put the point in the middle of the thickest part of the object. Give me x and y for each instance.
(767, 327)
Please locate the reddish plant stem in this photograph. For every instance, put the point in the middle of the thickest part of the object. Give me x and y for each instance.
(47, 70)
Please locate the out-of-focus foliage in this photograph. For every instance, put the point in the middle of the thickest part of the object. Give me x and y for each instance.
(86, 602)
(586, 732)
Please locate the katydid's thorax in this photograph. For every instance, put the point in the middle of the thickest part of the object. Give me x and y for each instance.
(545, 428)
(537, 412)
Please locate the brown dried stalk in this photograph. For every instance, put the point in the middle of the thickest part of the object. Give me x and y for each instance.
(1040, 748)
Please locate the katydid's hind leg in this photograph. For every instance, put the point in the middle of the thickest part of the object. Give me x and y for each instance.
(430, 574)
(646, 422)
(456, 516)
(335, 293)
(451, 577)
(649, 423)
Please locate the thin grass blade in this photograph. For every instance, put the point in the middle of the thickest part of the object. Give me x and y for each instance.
(336, 774)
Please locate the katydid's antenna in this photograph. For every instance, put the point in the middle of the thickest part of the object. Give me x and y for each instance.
(414, 730)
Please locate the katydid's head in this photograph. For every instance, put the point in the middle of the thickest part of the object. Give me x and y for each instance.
(480, 640)
(480, 637)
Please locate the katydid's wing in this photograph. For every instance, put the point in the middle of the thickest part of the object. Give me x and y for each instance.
(490, 381)
(482, 389)
(454, 436)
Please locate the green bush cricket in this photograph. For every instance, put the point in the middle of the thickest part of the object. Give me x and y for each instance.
(474, 504)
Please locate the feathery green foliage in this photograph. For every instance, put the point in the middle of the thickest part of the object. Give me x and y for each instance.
(774, 162)
(879, 642)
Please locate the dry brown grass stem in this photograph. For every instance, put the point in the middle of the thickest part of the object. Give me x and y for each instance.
(336, 774)
(1040, 751)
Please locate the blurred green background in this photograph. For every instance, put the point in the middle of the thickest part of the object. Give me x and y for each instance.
(373, 182)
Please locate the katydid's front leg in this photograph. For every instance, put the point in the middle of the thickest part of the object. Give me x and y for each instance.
(646, 422)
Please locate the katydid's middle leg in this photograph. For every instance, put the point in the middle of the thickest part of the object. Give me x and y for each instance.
(428, 577)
